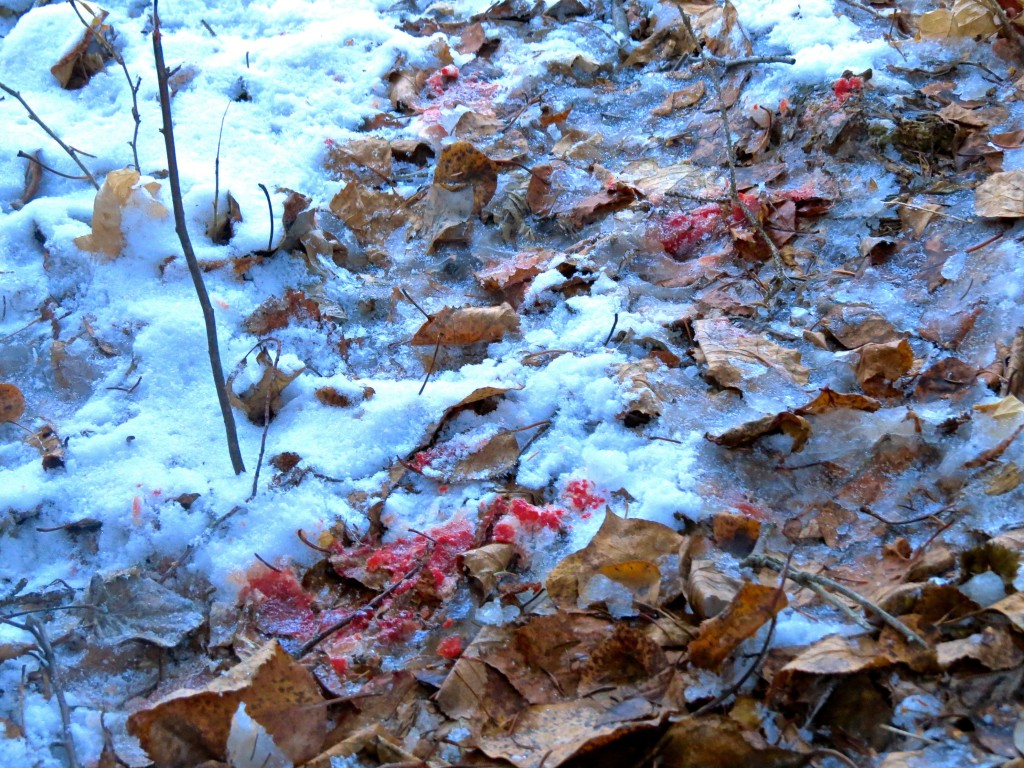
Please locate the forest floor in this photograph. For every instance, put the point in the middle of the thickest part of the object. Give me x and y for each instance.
(618, 383)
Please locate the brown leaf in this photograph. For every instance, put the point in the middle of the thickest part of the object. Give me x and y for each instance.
(467, 325)
(627, 657)
(484, 563)
(33, 177)
(448, 216)
(643, 401)
(12, 403)
(190, 726)
(881, 365)
(266, 393)
(1001, 195)
(540, 193)
(617, 542)
(118, 188)
(828, 401)
(945, 378)
(993, 648)
(86, 57)
(993, 453)
(364, 161)
(752, 608)
(708, 590)
(371, 215)
(717, 741)
(681, 99)
(276, 313)
(597, 206)
(1011, 607)
(787, 423)
(735, 534)
(854, 326)
(461, 165)
(734, 356)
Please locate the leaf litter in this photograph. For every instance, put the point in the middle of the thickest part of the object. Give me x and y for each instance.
(513, 544)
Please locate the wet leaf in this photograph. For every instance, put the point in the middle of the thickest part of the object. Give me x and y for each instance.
(881, 365)
(371, 215)
(681, 99)
(643, 401)
(796, 427)
(192, 725)
(993, 648)
(734, 356)
(716, 740)
(752, 608)
(828, 401)
(467, 325)
(484, 564)
(129, 606)
(617, 542)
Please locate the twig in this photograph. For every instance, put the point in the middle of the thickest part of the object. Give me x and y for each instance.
(45, 167)
(271, 567)
(730, 149)
(133, 87)
(38, 631)
(928, 210)
(216, 170)
(312, 643)
(190, 257)
(743, 61)
(611, 333)
(208, 28)
(736, 686)
(302, 537)
(805, 579)
(36, 119)
(270, 207)
(413, 302)
(266, 421)
(920, 519)
(194, 544)
(433, 362)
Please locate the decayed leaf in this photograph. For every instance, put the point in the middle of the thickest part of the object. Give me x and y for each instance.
(947, 377)
(12, 403)
(119, 190)
(753, 607)
(129, 606)
(880, 365)
(620, 543)
(50, 446)
(736, 534)
(484, 563)
(448, 215)
(787, 423)
(467, 325)
(266, 393)
(191, 726)
(733, 355)
(1001, 195)
(460, 165)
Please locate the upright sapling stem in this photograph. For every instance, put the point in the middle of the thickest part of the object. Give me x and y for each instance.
(190, 257)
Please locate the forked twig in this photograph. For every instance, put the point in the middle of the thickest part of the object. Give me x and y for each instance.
(73, 154)
(190, 257)
(805, 579)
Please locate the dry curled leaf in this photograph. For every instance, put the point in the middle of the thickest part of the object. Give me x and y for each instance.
(787, 423)
(264, 396)
(454, 326)
(120, 189)
(12, 403)
(881, 365)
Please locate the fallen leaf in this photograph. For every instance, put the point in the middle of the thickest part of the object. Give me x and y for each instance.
(454, 326)
(126, 605)
(714, 741)
(828, 401)
(483, 565)
(1003, 480)
(993, 648)
(735, 534)
(370, 214)
(681, 99)
(12, 403)
(1005, 408)
(190, 726)
(642, 399)
(787, 423)
(619, 541)
(881, 365)
(752, 608)
(263, 397)
(120, 189)
(946, 378)
(461, 165)
(1001, 195)
(250, 746)
(734, 356)
(86, 57)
